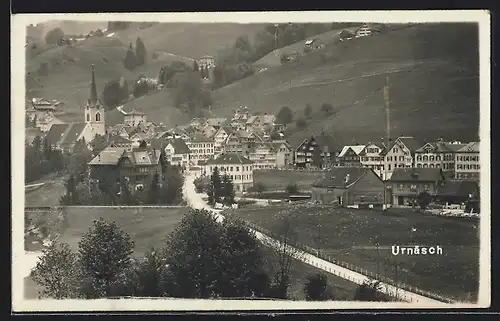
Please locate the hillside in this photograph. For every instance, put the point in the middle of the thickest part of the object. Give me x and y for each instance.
(273, 58)
(433, 79)
(189, 39)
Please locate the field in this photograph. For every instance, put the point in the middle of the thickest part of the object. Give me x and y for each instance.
(47, 195)
(433, 80)
(279, 179)
(351, 235)
(148, 227)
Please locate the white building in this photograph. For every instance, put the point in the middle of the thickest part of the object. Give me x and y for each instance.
(372, 156)
(239, 168)
(134, 117)
(178, 153)
(467, 162)
(201, 147)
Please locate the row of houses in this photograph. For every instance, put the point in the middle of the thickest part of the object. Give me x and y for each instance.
(361, 186)
(456, 159)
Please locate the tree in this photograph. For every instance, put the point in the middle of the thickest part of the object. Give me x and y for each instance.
(284, 116)
(301, 123)
(57, 272)
(259, 187)
(199, 185)
(154, 190)
(140, 51)
(78, 163)
(130, 62)
(214, 188)
(326, 108)
(149, 272)
(316, 288)
(98, 33)
(126, 197)
(308, 111)
(105, 254)
(423, 200)
(292, 188)
(115, 92)
(317, 159)
(141, 88)
(98, 144)
(286, 254)
(369, 291)
(227, 190)
(71, 196)
(54, 36)
(195, 66)
(172, 185)
(227, 265)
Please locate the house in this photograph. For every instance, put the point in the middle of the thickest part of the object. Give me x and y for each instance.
(438, 155)
(134, 117)
(116, 164)
(206, 62)
(365, 30)
(177, 153)
(138, 137)
(467, 162)
(350, 156)
(208, 131)
(45, 122)
(201, 147)
(349, 186)
(372, 156)
(119, 141)
(238, 167)
(400, 154)
(316, 151)
(284, 153)
(263, 156)
(313, 44)
(221, 136)
(216, 122)
(457, 192)
(406, 183)
(64, 136)
(119, 130)
(197, 122)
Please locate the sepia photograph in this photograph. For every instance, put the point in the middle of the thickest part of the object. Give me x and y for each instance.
(250, 161)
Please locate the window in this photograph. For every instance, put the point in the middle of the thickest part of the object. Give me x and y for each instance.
(413, 187)
(438, 158)
(231, 168)
(426, 158)
(97, 117)
(431, 158)
(401, 187)
(237, 169)
(401, 158)
(394, 150)
(419, 158)
(431, 166)
(425, 166)
(88, 117)
(389, 167)
(419, 165)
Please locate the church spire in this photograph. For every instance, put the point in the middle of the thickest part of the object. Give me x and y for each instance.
(93, 89)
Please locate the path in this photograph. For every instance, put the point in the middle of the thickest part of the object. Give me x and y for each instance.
(195, 201)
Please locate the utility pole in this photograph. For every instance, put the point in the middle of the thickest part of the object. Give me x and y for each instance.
(387, 101)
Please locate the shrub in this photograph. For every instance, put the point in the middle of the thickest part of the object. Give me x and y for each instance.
(292, 188)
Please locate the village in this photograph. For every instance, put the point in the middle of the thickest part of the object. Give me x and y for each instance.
(383, 174)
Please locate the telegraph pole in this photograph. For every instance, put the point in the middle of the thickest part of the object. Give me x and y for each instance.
(387, 101)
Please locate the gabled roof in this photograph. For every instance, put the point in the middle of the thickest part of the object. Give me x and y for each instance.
(229, 159)
(108, 156)
(457, 188)
(472, 147)
(199, 138)
(411, 143)
(228, 129)
(380, 145)
(215, 121)
(179, 146)
(355, 148)
(158, 143)
(417, 175)
(140, 156)
(341, 176)
(326, 141)
(65, 134)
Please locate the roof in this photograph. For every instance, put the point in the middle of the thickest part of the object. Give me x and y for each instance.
(134, 112)
(380, 145)
(199, 138)
(143, 156)
(108, 156)
(215, 121)
(65, 134)
(230, 158)
(326, 140)
(228, 129)
(158, 143)
(341, 176)
(417, 174)
(472, 147)
(457, 188)
(355, 148)
(180, 146)
(411, 143)
(118, 139)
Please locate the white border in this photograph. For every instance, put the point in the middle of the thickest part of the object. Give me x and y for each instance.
(18, 35)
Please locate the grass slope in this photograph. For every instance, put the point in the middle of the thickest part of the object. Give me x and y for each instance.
(272, 59)
(350, 236)
(434, 85)
(189, 39)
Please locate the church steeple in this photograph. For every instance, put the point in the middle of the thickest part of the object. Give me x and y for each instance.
(93, 90)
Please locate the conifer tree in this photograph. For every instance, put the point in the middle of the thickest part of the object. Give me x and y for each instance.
(130, 61)
(195, 66)
(154, 191)
(227, 190)
(140, 51)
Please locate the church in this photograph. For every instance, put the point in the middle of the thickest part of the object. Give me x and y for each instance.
(64, 136)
